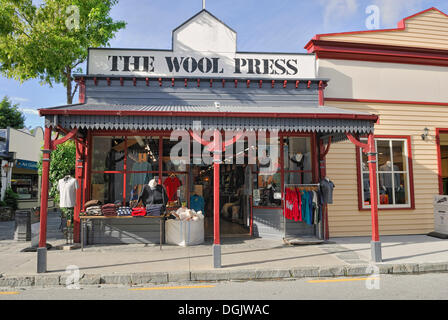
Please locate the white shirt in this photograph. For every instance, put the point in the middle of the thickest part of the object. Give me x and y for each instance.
(67, 192)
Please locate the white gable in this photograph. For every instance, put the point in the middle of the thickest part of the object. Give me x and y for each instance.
(204, 33)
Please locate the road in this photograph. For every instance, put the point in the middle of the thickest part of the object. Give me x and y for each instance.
(384, 287)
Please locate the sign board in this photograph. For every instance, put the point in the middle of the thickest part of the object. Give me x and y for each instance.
(25, 164)
(202, 47)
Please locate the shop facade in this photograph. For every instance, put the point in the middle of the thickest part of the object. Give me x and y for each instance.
(401, 75)
(22, 151)
(254, 123)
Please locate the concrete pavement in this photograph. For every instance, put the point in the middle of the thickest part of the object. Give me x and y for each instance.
(242, 259)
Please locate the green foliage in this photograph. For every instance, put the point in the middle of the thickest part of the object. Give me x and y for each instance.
(3, 204)
(11, 199)
(10, 115)
(51, 41)
(62, 163)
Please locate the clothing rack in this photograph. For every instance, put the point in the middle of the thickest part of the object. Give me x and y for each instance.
(297, 185)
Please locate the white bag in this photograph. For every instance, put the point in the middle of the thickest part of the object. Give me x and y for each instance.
(184, 233)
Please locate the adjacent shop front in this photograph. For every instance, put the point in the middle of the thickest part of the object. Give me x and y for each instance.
(250, 127)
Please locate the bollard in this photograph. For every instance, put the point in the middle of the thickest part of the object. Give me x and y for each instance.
(22, 225)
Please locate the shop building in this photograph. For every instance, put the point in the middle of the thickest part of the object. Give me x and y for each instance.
(401, 75)
(133, 101)
(22, 151)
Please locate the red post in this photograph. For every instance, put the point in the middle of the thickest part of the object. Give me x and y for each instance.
(44, 190)
(373, 187)
(79, 178)
(216, 162)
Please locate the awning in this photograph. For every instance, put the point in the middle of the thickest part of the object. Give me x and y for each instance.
(326, 120)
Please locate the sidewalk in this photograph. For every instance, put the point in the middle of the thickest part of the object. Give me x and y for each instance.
(242, 259)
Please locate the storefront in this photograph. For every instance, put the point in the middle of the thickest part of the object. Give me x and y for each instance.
(254, 123)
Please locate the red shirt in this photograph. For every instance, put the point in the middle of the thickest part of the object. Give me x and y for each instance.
(291, 205)
(171, 185)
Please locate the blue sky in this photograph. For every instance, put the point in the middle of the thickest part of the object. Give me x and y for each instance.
(262, 25)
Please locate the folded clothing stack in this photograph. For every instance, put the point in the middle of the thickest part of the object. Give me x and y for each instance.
(124, 211)
(155, 209)
(94, 211)
(138, 212)
(109, 210)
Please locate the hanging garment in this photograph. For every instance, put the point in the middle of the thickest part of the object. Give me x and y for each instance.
(172, 184)
(299, 215)
(306, 214)
(141, 178)
(327, 186)
(315, 208)
(67, 192)
(197, 203)
(291, 205)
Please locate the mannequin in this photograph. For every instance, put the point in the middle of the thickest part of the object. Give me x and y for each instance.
(67, 187)
(153, 193)
(386, 179)
(326, 188)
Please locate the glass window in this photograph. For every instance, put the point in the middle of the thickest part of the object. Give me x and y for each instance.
(392, 174)
(267, 183)
(107, 187)
(108, 153)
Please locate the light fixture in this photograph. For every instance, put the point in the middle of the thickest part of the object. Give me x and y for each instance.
(425, 133)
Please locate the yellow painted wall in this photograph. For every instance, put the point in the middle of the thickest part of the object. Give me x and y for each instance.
(405, 120)
(427, 30)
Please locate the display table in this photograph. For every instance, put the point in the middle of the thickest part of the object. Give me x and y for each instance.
(101, 219)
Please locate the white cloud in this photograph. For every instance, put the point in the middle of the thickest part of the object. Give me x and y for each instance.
(29, 111)
(338, 11)
(391, 12)
(19, 99)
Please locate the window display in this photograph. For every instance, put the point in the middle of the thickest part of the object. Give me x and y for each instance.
(392, 174)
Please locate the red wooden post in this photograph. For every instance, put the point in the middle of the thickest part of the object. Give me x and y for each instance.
(373, 187)
(42, 250)
(216, 162)
(79, 178)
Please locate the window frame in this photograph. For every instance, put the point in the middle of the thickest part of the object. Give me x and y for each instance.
(409, 175)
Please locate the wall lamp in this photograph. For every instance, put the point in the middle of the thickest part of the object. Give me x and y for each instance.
(425, 133)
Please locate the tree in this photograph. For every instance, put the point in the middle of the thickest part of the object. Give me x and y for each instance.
(63, 161)
(49, 42)
(10, 115)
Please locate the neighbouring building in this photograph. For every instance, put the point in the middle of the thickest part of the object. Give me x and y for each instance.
(20, 166)
(402, 76)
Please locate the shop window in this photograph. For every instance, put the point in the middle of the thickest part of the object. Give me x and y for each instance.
(393, 174)
(297, 160)
(107, 187)
(267, 183)
(26, 186)
(108, 153)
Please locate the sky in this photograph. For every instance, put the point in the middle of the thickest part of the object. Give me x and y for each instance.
(261, 26)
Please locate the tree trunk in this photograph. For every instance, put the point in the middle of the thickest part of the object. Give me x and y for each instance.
(69, 85)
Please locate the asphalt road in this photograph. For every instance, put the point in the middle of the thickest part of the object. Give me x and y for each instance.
(384, 287)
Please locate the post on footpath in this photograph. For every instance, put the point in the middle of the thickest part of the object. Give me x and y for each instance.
(42, 249)
(217, 153)
(372, 159)
(370, 150)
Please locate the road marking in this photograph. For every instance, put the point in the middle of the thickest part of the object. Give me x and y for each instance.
(5, 293)
(341, 280)
(172, 288)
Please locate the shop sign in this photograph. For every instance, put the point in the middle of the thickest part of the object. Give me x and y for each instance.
(169, 64)
(25, 164)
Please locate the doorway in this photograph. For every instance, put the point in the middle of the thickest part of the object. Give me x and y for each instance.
(234, 204)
